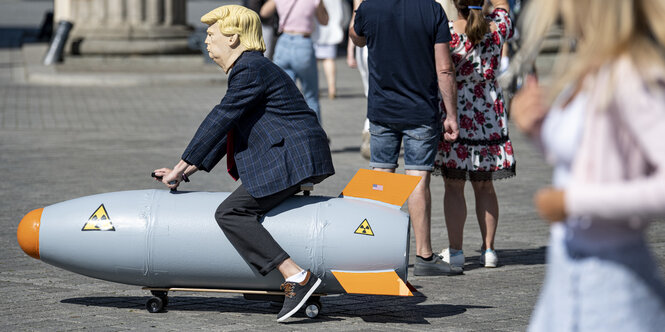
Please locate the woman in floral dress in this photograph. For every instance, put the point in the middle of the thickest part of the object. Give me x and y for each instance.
(483, 152)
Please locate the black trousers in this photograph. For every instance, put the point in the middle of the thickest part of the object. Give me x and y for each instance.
(239, 216)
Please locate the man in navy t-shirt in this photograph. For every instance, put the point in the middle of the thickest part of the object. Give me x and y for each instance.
(409, 65)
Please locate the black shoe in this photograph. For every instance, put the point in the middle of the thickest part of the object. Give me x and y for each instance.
(296, 294)
(435, 267)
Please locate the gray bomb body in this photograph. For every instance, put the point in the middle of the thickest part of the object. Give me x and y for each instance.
(165, 239)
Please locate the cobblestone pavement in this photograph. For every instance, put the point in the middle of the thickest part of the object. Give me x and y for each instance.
(62, 142)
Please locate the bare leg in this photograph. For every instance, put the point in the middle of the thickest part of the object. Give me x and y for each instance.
(454, 210)
(288, 268)
(420, 210)
(487, 211)
(329, 71)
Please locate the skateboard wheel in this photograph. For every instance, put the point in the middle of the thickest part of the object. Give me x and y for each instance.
(163, 295)
(312, 308)
(154, 305)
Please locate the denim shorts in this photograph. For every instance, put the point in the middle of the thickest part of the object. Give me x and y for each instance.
(420, 144)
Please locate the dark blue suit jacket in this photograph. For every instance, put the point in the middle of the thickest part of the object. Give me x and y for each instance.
(278, 141)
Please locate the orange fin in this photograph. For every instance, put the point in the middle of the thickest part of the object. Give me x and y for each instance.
(384, 282)
(411, 287)
(385, 187)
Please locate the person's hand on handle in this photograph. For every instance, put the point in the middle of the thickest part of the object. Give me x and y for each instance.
(159, 173)
(168, 177)
(172, 177)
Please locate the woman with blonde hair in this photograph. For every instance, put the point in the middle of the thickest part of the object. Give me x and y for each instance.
(600, 124)
(483, 153)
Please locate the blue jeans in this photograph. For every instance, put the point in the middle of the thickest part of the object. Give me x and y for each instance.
(295, 54)
(420, 145)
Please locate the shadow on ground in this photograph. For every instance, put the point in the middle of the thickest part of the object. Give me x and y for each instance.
(346, 95)
(347, 149)
(532, 256)
(372, 309)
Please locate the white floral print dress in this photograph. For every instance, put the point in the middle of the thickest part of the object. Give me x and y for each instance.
(483, 150)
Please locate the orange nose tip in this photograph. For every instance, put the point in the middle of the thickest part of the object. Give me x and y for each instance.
(28, 232)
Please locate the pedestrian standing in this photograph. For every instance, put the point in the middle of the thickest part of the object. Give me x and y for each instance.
(326, 38)
(483, 153)
(409, 64)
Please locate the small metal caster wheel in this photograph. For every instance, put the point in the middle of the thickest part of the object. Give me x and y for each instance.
(154, 305)
(312, 308)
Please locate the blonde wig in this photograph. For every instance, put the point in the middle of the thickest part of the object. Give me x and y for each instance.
(234, 19)
(595, 33)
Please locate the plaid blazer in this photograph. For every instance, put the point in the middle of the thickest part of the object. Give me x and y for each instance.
(278, 141)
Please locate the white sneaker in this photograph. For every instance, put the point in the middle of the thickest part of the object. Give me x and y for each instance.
(456, 259)
(489, 258)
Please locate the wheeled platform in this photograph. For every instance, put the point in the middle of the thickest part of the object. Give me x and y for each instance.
(160, 298)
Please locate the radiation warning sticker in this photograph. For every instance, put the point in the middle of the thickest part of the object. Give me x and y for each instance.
(364, 229)
(99, 221)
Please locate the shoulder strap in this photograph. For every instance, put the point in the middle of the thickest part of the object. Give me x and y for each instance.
(286, 17)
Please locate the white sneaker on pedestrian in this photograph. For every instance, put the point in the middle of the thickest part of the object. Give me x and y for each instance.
(454, 259)
(489, 258)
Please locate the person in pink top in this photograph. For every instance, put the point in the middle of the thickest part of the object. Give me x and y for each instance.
(294, 51)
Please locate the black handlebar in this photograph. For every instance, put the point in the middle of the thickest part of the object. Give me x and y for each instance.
(160, 178)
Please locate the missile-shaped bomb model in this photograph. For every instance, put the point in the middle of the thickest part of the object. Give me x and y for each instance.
(169, 241)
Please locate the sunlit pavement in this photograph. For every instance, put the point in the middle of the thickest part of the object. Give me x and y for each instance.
(61, 140)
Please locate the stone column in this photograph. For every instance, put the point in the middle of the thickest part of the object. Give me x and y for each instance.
(125, 27)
